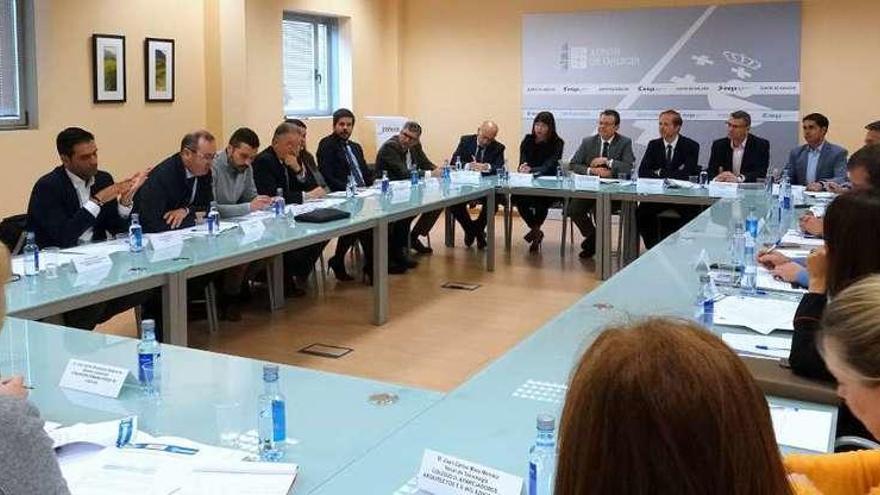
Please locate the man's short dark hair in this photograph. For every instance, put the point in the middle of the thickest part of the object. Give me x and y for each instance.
(413, 126)
(341, 114)
(676, 117)
(244, 135)
(70, 137)
(867, 157)
(742, 115)
(873, 126)
(611, 113)
(296, 122)
(819, 119)
(191, 140)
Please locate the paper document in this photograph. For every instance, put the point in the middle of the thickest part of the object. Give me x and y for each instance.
(767, 281)
(795, 237)
(762, 345)
(682, 184)
(104, 434)
(203, 228)
(98, 248)
(802, 428)
(761, 314)
(821, 194)
(792, 253)
(240, 478)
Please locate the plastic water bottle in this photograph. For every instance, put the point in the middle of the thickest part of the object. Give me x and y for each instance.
(752, 223)
(278, 204)
(446, 174)
(635, 174)
(560, 175)
(749, 280)
(737, 246)
(135, 234)
(705, 303)
(458, 163)
(704, 178)
(31, 256)
(785, 192)
(214, 220)
(414, 177)
(272, 416)
(542, 457)
(149, 353)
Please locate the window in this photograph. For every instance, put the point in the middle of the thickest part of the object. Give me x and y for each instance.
(13, 97)
(310, 54)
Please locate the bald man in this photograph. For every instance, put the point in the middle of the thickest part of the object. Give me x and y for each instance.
(482, 153)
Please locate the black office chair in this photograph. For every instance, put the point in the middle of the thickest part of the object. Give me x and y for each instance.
(13, 231)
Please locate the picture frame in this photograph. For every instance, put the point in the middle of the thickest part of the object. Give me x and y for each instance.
(108, 68)
(159, 70)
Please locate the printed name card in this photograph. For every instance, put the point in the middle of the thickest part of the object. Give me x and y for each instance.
(466, 177)
(520, 180)
(650, 186)
(586, 182)
(93, 378)
(252, 231)
(96, 262)
(723, 189)
(165, 240)
(441, 474)
(400, 195)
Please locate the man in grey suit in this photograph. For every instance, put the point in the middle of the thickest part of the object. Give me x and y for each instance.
(606, 154)
(817, 163)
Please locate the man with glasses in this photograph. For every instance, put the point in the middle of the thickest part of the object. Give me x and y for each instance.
(179, 186)
(741, 156)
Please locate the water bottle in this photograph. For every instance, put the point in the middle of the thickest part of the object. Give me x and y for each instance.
(386, 183)
(705, 303)
(785, 192)
(414, 177)
(737, 246)
(749, 280)
(214, 219)
(278, 204)
(635, 174)
(752, 223)
(149, 353)
(31, 256)
(542, 457)
(560, 175)
(704, 178)
(271, 419)
(768, 186)
(447, 175)
(135, 234)
(458, 163)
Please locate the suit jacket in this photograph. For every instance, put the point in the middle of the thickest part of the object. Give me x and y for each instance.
(270, 173)
(543, 158)
(333, 162)
(620, 150)
(493, 153)
(832, 164)
(56, 217)
(391, 158)
(167, 189)
(684, 162)
(756, 158)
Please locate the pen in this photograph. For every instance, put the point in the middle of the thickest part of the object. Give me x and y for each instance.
(769, 348)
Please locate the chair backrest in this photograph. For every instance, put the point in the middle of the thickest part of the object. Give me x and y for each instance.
(855, 443)
(12, 232)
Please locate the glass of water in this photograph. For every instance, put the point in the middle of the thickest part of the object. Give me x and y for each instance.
(50, 261)
(228, 418)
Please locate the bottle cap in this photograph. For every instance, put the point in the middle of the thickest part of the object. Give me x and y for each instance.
(270, 372)
(148, 328)
(546, 422)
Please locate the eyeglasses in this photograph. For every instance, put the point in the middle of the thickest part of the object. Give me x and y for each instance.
(208, 157)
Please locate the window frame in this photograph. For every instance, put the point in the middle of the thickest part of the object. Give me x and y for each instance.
(332, 25)
(23, 47)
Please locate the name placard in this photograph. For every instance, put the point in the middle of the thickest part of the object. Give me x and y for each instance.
(165, 240)
(586, 182)
(252, 231)
(650, 186)
(723, 189)
(93, 378)
(441, 474)
(520, 180)
(401, 195)
(83, 264)
(466, 177)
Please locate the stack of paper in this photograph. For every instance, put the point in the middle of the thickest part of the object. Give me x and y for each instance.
(761, 314)
(766, 281)
(795, 237)
(802, 428)
(760, 345)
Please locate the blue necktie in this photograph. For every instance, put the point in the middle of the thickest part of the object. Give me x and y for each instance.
(353, 165)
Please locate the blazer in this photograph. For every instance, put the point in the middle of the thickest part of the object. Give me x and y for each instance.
(620, 150)
(832, 164)
(333, 162)
(804, 358)
(270, 173)
(467, 150)
(543, 158)
(756, 158)
(166, 189)
(391, 158)
(684, 160)
(56, 217)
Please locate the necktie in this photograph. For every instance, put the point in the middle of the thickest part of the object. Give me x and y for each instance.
(668, 153)
(604, 149)
(480, 153)
(191, 183)
(352, 164)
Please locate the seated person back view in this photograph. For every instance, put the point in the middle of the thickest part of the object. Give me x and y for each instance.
(741, 156)
(818, 162)
(662, 406)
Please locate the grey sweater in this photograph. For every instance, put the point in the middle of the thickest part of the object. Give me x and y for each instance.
(233, 189)
(27, 461)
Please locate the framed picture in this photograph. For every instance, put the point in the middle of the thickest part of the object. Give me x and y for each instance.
(108, 74)
(159, 69)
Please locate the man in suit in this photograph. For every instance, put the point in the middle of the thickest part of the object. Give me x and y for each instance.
(741, 156)
(179, 186)
(338, 158)
(279, 167)
(399, 156)
(670, 156)
(818, 162)
(606, 154)
(482, 153)
(76, 203)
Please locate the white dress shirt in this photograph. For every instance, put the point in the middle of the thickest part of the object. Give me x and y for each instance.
(738, 152)
(84, 193)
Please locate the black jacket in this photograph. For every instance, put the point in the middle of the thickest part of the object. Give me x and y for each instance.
(756, 158)
(270, 173)
(467, 151)
(804, 358)
(167, 189)
(391, 158)
(56, 217)
(684, 162)
(333, 163)
(543, 158)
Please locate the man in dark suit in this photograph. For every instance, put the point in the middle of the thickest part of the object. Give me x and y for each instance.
(606, 154)
(482, 153)
(179, 186)
(77, 203)
(279, 166)
(818, 162)
(671, 156)
(338, 158)
(741, 156)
